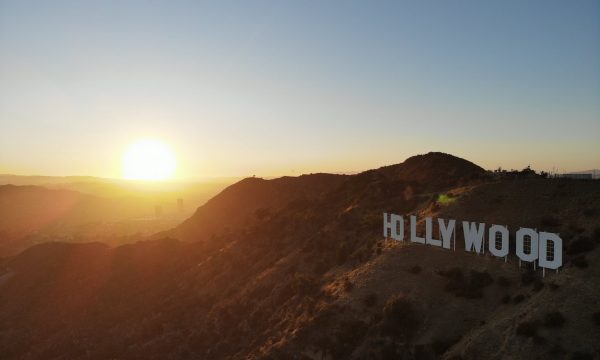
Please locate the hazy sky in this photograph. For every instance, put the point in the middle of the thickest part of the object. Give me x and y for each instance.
(285, 87)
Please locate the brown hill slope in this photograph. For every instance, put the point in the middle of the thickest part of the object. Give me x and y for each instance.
(241, 204)
(310, 277)
(238, 205)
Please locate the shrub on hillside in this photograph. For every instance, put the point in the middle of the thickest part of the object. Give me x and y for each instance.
(549, 221)
(527, 278)
(470, 288)
(596, 318)
(414, 269)
(576, 228)
(502, 281)
(558, 350)
(325, 316)
(454, 273)
(480, 279)
(589, 212)
(435, 206)
(580, 355)
(321, 266)
(518, 298)
(596, 235)
(440, 346)
(303, 284)
(400, 317)
(554, 319)
(361, 254)
(348, 285)
(580, 262)
(386, 350)
(538, 340)
(347, 337)
(284, 293)
(262, 213)
(530, 277)
(323, 345)
(342, 254)
(455, 357)
(370, 300)
(538, 284)
(527, 329)
(580, 245)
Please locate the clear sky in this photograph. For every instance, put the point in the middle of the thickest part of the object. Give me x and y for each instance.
(286, 87)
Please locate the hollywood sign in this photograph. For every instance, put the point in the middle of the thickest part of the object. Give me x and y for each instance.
(531, 246)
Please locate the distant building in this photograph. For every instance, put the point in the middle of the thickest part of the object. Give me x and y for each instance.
(158, 211)
(180, 205)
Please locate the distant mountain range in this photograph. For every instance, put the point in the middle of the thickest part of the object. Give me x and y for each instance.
(297, 268)
(36, 209)
(106, 187)
(46, 180)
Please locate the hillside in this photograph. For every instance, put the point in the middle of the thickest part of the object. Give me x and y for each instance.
(250, 199)
(296, 268)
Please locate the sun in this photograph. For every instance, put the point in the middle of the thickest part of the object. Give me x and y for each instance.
(149, 159)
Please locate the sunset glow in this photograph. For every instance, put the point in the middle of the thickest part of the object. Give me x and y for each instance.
(149, 160)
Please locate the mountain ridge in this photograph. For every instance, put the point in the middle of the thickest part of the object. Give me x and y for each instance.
(265, 192)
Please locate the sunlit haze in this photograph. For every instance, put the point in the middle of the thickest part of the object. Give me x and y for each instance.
(283, 88)
(149, 159)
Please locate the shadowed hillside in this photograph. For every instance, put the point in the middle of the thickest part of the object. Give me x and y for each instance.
(297, 268)
(255, 199)
(251, 199)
